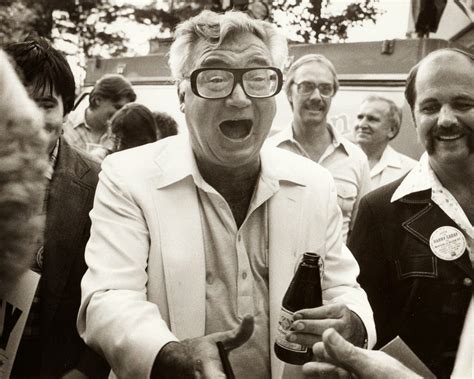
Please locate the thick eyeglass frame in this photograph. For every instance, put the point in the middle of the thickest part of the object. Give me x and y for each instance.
(238, 75)
(298, 86)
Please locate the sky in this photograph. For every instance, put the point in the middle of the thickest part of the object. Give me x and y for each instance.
(392, 23)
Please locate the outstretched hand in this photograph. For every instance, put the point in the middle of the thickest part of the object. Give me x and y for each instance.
(205, 353)
(335, 357)
(199, 357)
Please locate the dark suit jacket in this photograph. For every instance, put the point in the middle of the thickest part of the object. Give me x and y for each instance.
(414, 294)
(70, 200)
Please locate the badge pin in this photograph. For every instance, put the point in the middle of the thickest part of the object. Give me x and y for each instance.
(447, 243)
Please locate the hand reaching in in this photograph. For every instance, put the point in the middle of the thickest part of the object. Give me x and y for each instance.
(335, 357)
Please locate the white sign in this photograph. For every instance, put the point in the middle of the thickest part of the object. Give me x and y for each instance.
(15, 305)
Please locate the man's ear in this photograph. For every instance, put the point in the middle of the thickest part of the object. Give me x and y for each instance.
(392, 132)
(95, 101)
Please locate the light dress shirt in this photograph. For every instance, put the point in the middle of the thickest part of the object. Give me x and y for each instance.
(422, 178)
(78, 133)
(347, 164)
(237, 272)
(391, 166)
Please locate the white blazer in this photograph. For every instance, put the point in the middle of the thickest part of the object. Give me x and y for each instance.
(145, 285)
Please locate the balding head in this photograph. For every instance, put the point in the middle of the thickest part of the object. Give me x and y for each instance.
(443, 58)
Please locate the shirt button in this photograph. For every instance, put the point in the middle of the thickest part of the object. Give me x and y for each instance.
(239, 238)
(244, 275)
(467, 282)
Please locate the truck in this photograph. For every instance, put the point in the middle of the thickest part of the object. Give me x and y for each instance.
(364, 68)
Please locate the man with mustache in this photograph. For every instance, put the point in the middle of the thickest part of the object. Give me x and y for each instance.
(413, 238)
(378, 122)
(50, 345)
(310, 86)
(195, 238)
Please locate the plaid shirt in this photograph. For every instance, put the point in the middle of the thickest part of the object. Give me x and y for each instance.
(32, 327)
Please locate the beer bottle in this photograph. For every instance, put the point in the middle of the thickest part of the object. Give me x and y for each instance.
(304, 292)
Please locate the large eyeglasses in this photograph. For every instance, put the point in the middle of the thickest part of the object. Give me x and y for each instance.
(306, 88)
(219, 83)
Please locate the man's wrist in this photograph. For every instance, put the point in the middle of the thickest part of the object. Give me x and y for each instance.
(173, 361)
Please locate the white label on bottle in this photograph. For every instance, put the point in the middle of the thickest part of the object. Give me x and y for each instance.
(284, 328)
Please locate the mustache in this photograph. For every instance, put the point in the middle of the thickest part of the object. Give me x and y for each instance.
(438, 131)
(315, 104)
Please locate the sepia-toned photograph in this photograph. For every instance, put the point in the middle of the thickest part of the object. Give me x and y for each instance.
(236, 189)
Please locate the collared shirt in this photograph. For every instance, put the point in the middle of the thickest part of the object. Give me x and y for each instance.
(237, 271)
(391, 166)
(346, 162)
(78, 133)
(422, 178)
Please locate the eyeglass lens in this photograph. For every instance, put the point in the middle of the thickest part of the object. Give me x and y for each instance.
(307, 88)
(218, 83)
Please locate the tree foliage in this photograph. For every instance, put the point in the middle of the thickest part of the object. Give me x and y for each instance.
(311, 23)
(89, 24)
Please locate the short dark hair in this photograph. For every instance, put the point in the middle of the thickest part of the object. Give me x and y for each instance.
(136, 124)
(39, 63)
(167, 125)
(410, 88)
(113, 87)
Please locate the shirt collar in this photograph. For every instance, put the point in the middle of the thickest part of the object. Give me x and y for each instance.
(420, 178)
(53, 157)
(389, 158)
(288, 134)
(177, 162)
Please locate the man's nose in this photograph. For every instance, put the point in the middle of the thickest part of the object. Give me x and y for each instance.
(316, 94)
(447, 116)
(238, 98)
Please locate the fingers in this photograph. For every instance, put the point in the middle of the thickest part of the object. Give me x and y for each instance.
(324, 370)
(238, 336)
(342, 352)
(327, 311)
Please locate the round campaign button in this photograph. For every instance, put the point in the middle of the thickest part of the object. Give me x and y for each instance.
(447, 243)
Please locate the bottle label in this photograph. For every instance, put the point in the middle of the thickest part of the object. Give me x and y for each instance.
(284, 328)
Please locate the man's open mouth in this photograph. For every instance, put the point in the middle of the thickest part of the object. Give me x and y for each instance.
(236, 129)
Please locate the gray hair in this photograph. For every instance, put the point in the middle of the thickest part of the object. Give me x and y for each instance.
(213, 28)
(394, 115)
(318, 58)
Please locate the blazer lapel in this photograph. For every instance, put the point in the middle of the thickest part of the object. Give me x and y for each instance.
(424, 222)
(64, 222)
(183, 257)
(283, 248)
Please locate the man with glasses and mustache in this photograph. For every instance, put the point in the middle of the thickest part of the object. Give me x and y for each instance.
(195, 238)
(310, 86)
(413, 238)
